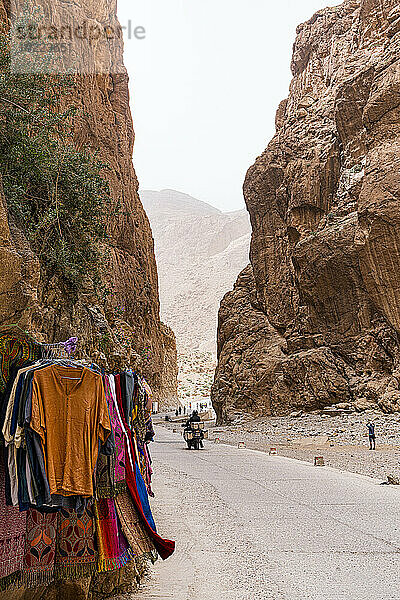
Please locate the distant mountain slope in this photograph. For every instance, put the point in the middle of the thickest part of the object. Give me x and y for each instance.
(199, 250)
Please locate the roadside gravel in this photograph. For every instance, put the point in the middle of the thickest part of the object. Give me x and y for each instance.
(341, 440)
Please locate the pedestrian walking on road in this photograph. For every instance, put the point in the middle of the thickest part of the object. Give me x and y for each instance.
(371, 435)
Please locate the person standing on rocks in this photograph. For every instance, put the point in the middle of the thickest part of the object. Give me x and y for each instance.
(371, 435)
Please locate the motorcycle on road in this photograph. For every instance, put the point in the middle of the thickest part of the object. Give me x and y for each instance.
(194, 435)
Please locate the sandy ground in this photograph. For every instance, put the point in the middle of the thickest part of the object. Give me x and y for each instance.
(249, 526)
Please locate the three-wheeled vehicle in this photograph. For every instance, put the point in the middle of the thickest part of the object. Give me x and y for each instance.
(194, 435)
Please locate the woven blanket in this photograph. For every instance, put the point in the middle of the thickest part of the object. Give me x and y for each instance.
(40, 548)
(114, 552)
(75, 552)
(12, 538)
(136, 535)
(110, 472)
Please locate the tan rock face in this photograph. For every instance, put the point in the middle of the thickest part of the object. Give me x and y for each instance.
(324, 205)
(125, 329)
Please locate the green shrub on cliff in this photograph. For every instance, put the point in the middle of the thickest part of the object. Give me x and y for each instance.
(56, 192)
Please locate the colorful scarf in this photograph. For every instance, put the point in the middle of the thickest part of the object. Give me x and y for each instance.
(12, 539)
(164, 547)
(40, 548)
(139, 417)
(75, 554)
(105, 476)
(137, 537)
(114, 551)
(110, 474)
(149, 398)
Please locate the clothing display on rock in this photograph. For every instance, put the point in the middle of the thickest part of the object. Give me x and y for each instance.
(70, 414)
(75, 467)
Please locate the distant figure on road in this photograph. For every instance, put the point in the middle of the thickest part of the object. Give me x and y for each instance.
(184, 410)
(176, 412)
(371, 435)
(180, 410)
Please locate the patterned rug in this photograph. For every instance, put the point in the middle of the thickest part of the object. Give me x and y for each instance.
(76, 556)
(40, 548)
(131, 525)
(114, 552)
(12, 539)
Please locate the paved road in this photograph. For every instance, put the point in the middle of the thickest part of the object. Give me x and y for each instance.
(250, 526)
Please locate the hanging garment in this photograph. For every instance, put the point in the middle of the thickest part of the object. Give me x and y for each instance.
(149, 393)
(139, 414)
(40, 548)
(128, 452)
(76, 556)
(9, 429)
(114, 552)
(149, 470)
(70, 414)
(164, 547)
(110, 472)
(128, 389)
(16, 431)
(137, 537)
(12, 538)
(37, 484)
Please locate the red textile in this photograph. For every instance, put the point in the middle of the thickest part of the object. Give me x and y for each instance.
(164, 547)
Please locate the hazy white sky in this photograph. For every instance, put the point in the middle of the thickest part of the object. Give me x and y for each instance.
(205, 85)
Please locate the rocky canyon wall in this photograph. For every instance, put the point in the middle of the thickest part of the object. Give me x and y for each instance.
(124, 329)
(315, 319)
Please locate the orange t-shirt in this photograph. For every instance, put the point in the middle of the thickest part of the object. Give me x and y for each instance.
(71, 416)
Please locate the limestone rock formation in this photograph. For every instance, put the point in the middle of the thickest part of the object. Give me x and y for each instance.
(125, 328)
(315, 320)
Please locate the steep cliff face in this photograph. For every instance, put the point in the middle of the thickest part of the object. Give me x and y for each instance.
(125, 328)
(323, 199)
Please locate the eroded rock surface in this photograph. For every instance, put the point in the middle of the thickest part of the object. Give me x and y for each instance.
(123, 329)
(324, 205)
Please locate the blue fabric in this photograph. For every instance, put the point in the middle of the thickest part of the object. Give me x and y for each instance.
(144, 498)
